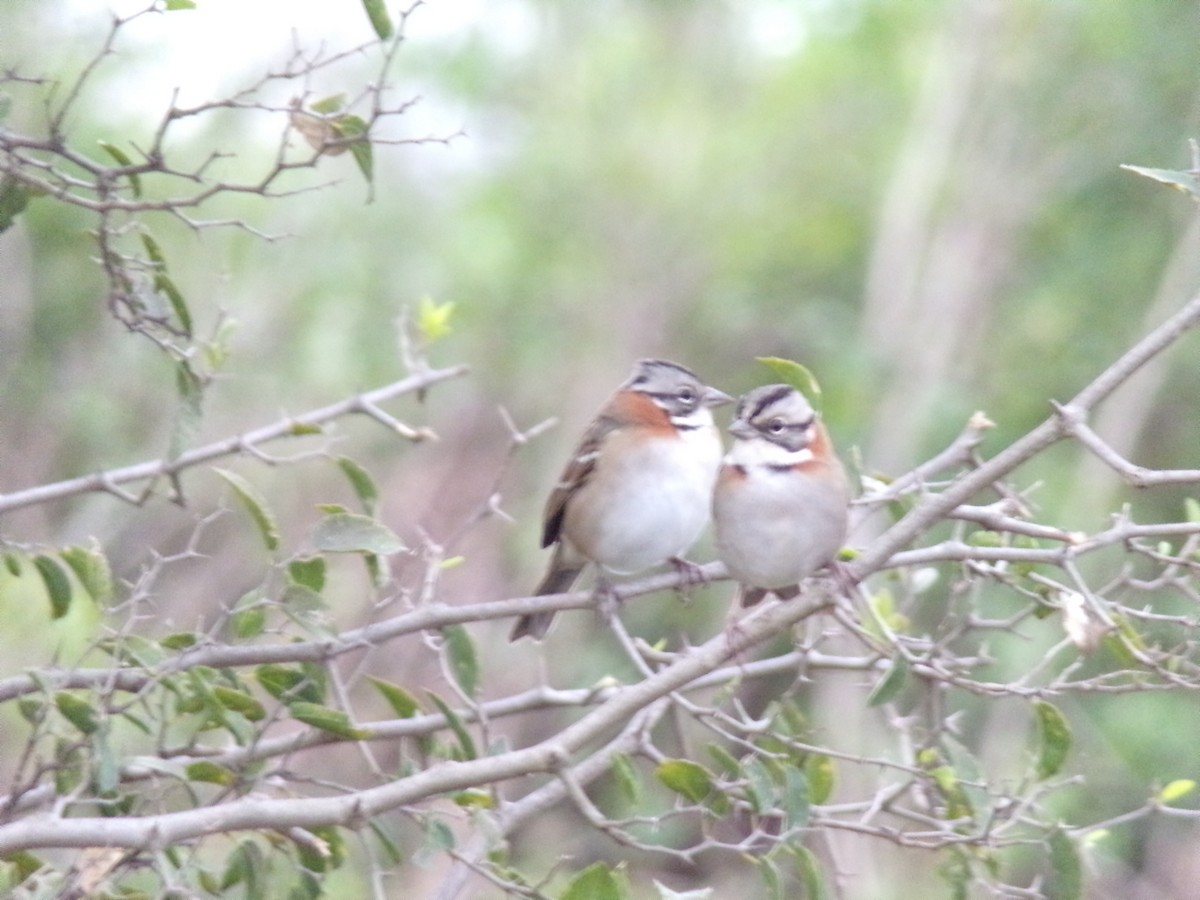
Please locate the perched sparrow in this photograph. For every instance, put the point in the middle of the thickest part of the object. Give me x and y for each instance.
(782, 497)
(638, 489)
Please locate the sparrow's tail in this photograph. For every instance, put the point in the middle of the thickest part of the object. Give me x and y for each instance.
(557, 581)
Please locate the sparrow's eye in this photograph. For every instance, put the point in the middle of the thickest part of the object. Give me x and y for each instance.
(687, 394)
(776, 425)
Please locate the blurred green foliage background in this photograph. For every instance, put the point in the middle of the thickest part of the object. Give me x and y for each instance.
(919, 201)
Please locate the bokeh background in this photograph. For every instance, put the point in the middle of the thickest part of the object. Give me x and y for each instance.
(922, 202)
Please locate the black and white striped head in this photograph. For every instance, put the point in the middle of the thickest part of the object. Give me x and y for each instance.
(676, 390)
(774, 425)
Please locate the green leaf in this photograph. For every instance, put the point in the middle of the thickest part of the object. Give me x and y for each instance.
(1066, 872)
(597, 882)
(240, 702)
(91, 568)
(797, 376)
(626, 777)
(24, 864)
(1181, 181)
(760, 786)
(378, 14)
(246, 866)
(685, 777)
(288, 683)
(354, 129)
(1054, 738)
(333, 721)
(352, 533)
(255, 505)
(123, 159)
(810, 873)
(308, 572)
(891, 683)
(464, 662)
(822, 775)
(474, 799)
(403, 703)
(433, 319)
(14, 197)
(191, 407)
(164, 284)
(772, 879)
(78, 712)
(57, 582)
(725, 760)
(12, 565)
(1176, 790)
(1191, 509)
(465, 741)
(175, 5)
(249, 623)
(210, 773)
(796, 799)
(360, 479)
(328, 105)
(181, 640)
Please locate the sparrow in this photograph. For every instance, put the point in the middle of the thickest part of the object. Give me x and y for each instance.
(637, 491)
(782, 499)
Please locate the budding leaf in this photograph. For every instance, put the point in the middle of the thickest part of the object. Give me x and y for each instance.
(1055, 739)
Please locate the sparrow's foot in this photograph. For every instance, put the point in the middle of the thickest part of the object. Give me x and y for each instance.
(607, 600)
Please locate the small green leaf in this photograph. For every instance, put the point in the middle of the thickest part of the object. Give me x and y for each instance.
(354, 129)
(810, 873)
(255, 505)
(333, 721)
(57, 582)
(123, 159)
(1181, 181)
(210, 773)
(796, 799)
(626, 777)
(288, 683)
(181, 640)
(797, 376)
(190, 411)
(246, 866)
(822, 775)
(91, 567)
(352, 533)
(24, 864)
(597, 882)
(1054, 739)
(891, 683)
(1066, 872)
(433, 319)
(308, 572)
(175, 5)
(328, 105)
(772, 878)
(249, 623)
(761, 789)
(1176, 790)
(464, 662)
(474, 799)
(14, 197)
(378, 14)
(360, 479)
(78, 712)
(403, 703)
(1191, 509)
(685, 777)
(725, 760)
(164, 284)
(240, 702)
(12, 565)
(465, 741)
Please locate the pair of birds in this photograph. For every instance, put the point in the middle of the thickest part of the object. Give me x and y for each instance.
(649, 471)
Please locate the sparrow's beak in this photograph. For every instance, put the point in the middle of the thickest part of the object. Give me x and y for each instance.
(742, 429)
(713, 397)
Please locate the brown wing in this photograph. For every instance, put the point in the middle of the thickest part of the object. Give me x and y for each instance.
(574, 476)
